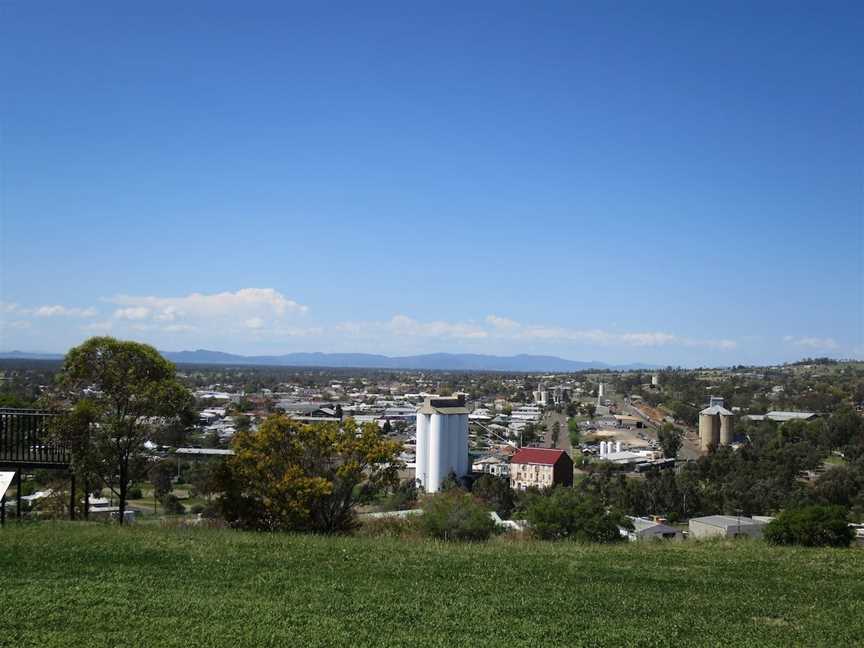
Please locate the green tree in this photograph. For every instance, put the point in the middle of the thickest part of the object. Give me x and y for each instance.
(564, 513)
(160, 478)
(574, 432)
(811, 526)
(838, 486)
(242, 423)
(172, 505)
(306, 477)
(496, 493)
(669, 438)
(123, 391)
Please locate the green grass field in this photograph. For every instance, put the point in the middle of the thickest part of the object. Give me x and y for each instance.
(76, 584)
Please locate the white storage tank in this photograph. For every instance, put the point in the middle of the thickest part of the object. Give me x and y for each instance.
(442, 441)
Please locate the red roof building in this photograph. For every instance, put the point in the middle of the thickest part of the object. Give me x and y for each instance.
(540, 468)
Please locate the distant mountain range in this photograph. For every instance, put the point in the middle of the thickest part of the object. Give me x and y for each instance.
(431, 361)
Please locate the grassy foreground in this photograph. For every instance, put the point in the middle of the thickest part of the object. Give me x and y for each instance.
(68, 584)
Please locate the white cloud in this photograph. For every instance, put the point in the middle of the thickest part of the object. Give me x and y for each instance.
(99, 327)
(254, 323)
(404, 326)
(132, 313)
(502, 323)
(244, 302)
(614, 338)
(55, 310)
(63, 311)
(503, 328)
(816, 343)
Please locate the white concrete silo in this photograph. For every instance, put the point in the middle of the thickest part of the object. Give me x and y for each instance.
(442, 441)
(422, 447)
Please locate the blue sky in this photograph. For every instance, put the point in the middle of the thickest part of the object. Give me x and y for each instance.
(661, 182)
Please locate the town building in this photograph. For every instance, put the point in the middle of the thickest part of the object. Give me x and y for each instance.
(645, 529)
(540, 468)
(725, 526)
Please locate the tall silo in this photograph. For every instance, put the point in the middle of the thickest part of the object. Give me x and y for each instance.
(435, 460)
(442, 441)
(422, 448)
(727, 428)
(716, 424)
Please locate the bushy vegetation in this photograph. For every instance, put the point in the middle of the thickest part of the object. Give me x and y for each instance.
(456, 515)
(565, 514)
(811, 526)
(215, 588)
(761, 477)
(294, 477)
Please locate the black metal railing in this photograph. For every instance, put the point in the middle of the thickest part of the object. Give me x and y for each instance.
(26, 439)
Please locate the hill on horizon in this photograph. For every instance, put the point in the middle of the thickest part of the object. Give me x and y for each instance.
(429, 361)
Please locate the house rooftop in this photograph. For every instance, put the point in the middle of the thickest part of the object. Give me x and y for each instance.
(725, 521)
(542, 456)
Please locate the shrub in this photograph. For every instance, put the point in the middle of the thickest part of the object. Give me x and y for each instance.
(173, 506)
(134, 493)
(810, 526)
(390, 527)
(196, 509)
(562, 513)
(403, 497)
(456, 515)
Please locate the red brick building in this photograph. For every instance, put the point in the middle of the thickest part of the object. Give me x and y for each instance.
(541, 468)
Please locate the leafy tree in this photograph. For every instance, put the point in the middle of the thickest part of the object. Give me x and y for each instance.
(574, 432)
(202, 478)
(172, 505)
(456, 515)
(127, 385)
(242, 423)
(387, 428)
(669, 438)
(564, 513)
(160, 477)
(306, 477)
(403, 497)
(590, 410)
(496, 493)
(838, 486)
(811, 526)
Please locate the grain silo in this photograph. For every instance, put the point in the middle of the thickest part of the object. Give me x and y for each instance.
(716, 425)
(442, 440)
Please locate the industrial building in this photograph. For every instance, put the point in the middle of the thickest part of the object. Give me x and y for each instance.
(782, 417)
(540, 468)
(442, 440)
(645, 529)
(725, 526)
(716, 425)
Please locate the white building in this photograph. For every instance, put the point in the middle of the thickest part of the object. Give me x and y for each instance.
(528, 413)
(725, 526)
(645, 529)
(442, 440)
